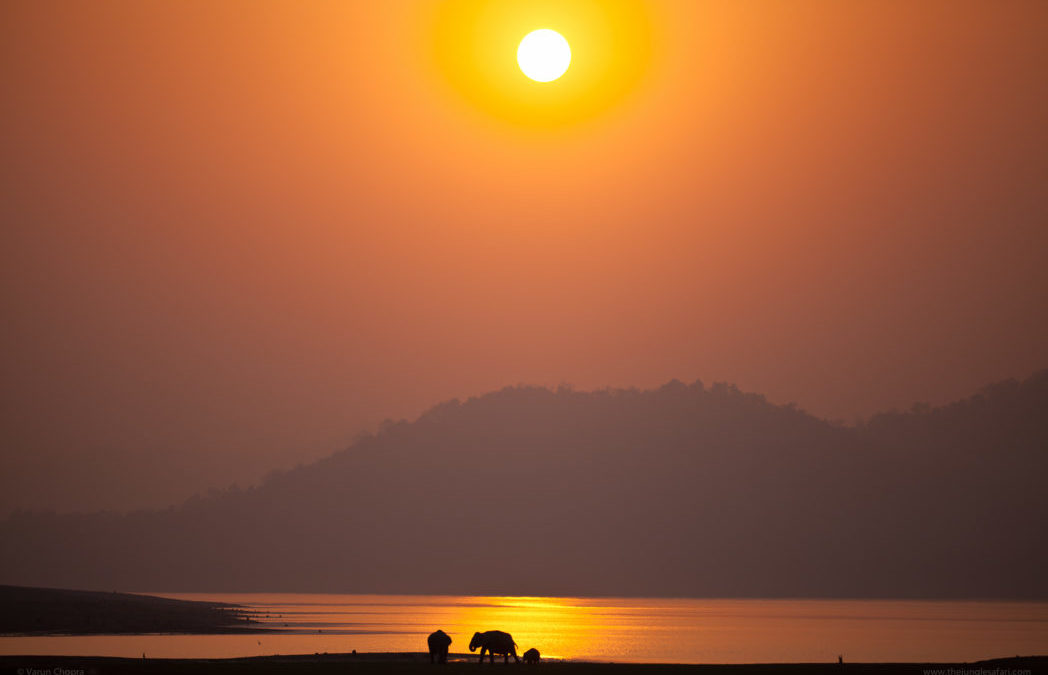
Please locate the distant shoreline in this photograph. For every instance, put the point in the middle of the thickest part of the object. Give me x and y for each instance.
(411, 662)
(36, 612)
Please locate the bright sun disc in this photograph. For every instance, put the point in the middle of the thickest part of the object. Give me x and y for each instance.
(544, 55)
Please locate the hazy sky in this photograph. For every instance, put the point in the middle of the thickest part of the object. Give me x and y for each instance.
(235, 234)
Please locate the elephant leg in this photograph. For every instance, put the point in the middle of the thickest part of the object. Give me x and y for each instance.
(482, 654)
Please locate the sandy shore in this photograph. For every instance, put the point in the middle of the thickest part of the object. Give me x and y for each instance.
(408, 664)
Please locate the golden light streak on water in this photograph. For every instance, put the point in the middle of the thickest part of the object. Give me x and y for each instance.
(602, 629)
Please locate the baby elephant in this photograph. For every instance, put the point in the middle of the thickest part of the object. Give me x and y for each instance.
(531, 657)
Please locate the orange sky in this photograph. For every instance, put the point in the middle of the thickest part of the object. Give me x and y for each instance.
(237, 233)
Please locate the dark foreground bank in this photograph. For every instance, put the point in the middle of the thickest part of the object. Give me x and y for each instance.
(43, 611)
(418, 664)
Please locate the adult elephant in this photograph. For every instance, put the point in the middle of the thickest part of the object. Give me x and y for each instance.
(494, 642)
(439, 641)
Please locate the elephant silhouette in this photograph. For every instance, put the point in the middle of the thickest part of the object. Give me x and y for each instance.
(494, 642)
(438, 646)
(531, 657)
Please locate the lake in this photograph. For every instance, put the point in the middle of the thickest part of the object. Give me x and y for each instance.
(601, 629)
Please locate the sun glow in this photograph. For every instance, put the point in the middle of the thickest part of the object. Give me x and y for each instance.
(544, 55)
(472, 43)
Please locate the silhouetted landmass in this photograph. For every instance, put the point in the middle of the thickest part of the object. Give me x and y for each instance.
(680, 491)
(412, 664)
(53, 610)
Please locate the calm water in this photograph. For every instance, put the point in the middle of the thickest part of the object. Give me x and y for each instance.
(604, 629)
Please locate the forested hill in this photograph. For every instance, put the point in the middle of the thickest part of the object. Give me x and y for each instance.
(683, 490)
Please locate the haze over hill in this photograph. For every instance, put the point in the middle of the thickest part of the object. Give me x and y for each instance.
(237, 233)
(682, 490)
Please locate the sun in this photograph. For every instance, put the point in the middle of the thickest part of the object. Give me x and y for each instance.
(576, 59)
(544, 55)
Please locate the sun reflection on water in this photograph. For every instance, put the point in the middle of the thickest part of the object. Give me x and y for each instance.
(599, 629)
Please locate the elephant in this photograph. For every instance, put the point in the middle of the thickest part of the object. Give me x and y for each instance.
(531, 657)
(438, 646)
(494, 642)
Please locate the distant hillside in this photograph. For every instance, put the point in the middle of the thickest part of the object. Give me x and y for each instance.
(683, 490)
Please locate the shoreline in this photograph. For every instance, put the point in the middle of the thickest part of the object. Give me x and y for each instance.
(27, 611)
(395, 663)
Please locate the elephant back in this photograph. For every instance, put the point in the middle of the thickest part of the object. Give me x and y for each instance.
(498, 641)
(438, 638)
